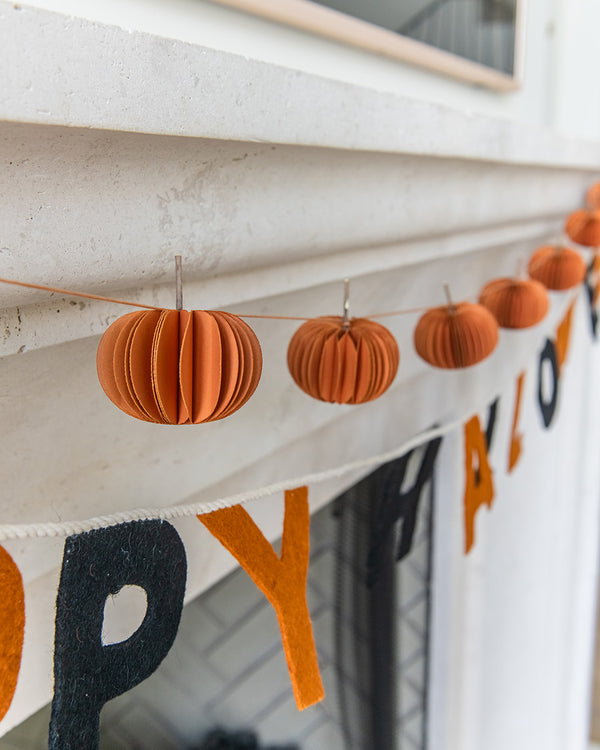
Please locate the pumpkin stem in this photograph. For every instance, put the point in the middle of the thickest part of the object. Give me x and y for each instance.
(346, 316)
(451, 305)
(178, 284)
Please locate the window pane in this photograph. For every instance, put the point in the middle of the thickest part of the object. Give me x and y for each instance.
(479, 30)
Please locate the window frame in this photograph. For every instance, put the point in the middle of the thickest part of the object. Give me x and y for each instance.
(346, 29)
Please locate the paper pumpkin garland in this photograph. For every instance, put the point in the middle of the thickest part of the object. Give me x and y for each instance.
(558, 268)
(345, 364)
(456, 335)
(514, 302)
(187, 367)
(179, 366)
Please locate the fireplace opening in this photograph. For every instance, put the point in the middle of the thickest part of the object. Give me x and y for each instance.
(224, 685)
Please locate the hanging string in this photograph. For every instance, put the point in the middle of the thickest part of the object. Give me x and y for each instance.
(407, 311)
(270, 317)
(71, 293)
(113, 300)
(67, 528)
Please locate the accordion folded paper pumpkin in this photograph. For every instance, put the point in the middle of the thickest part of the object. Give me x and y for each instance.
(457, 335)
(592, 196)
(583, 227)
(515, 303)
(343, 364)
(557, 267)
(179, 366)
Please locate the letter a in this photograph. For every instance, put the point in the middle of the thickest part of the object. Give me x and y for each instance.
(282, 580)
(563, 336)
(479, 487)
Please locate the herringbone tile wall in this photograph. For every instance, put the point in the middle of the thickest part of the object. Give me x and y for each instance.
(413, 578)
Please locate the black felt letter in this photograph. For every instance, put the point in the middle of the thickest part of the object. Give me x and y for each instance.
(491, 423)
(547, 408)
(148, 554)
(396, 505)
(590, 288)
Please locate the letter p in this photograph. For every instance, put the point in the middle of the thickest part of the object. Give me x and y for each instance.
(87, 674)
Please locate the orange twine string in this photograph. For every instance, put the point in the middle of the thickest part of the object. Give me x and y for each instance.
(271, 317)
(408, 311)
(71, 293)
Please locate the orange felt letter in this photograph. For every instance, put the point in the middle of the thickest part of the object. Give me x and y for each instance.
(282, 580)
(563, 336)
(516, 438)
(479, 487)
(12, 628)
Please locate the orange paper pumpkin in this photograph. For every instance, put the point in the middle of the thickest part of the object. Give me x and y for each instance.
(592, 197)
(583, 227)
(457, 335)
(556, 267)
(177, 366)
(515, 303)
(345, 365)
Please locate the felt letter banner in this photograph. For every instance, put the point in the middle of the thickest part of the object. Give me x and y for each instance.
(148, 554)
(12, 628)
(479, 486)
(282, 581)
